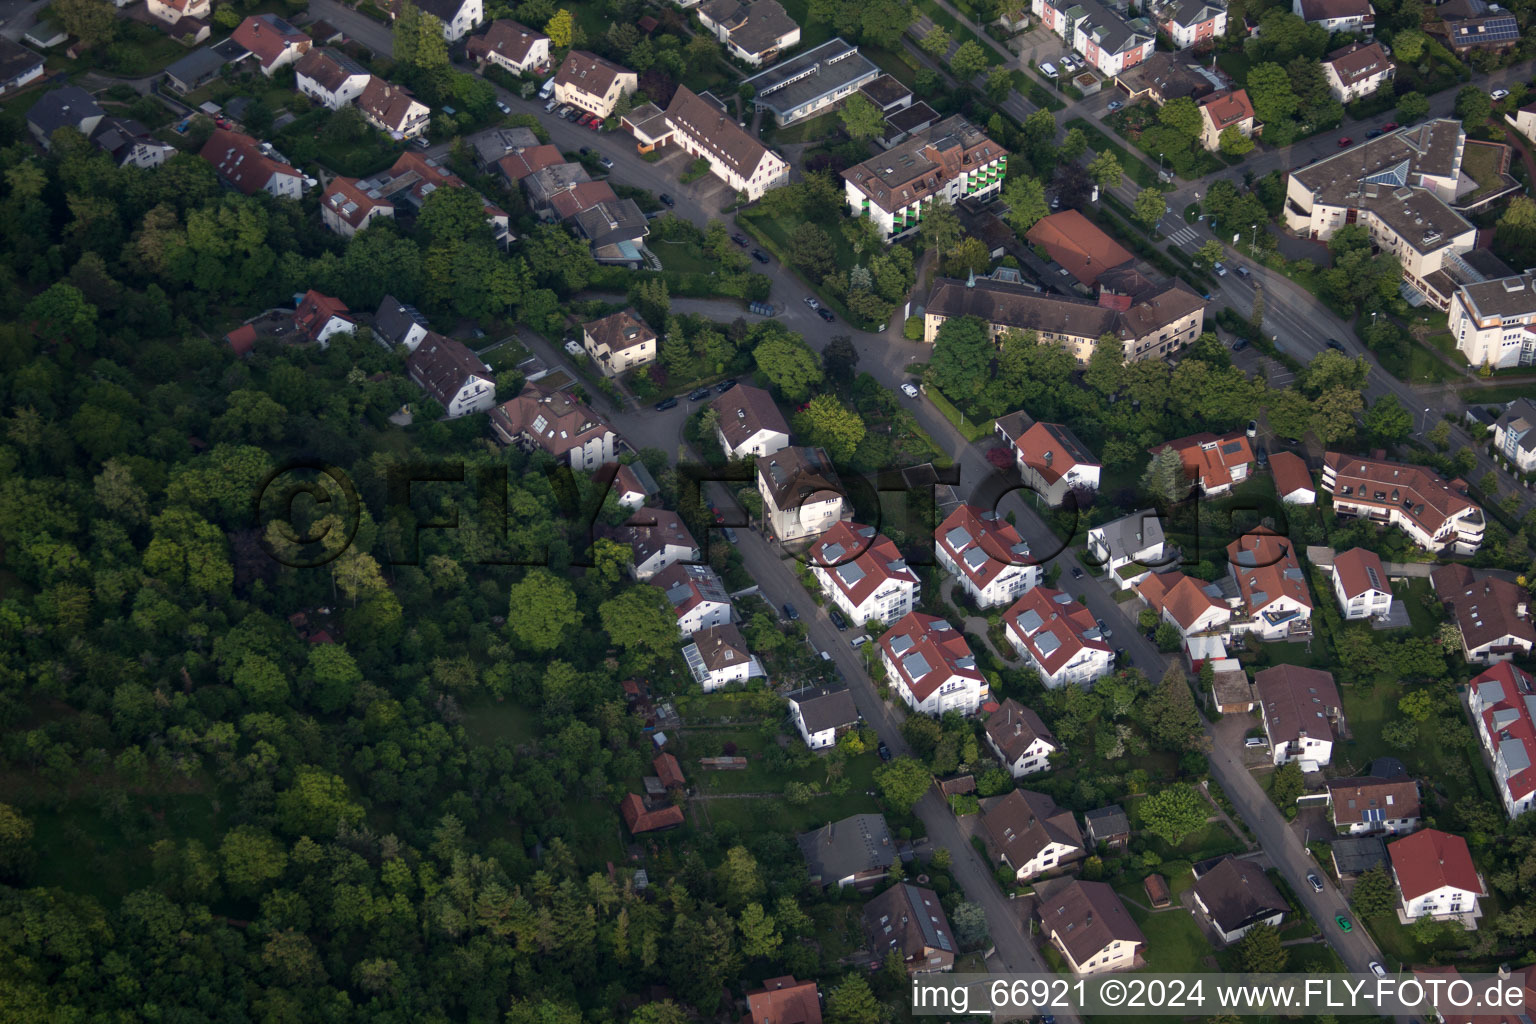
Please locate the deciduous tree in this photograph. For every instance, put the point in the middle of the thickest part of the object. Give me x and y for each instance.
(1174, 813)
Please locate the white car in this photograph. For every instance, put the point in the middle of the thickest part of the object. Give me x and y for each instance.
(1221, 271)
(909, 389)
(859, 641)
(551, 105)
(809, 301)
(1499, 94)
(503, 107)
(1048, 69)
(1378, 970)
(1069, 63)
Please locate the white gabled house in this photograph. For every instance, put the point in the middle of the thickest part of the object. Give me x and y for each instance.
(1360, 585)
(863, 574)
(330, 78)
(1128, 548)
(718, 657)
(1019, 739)
(448, 371)
(822, 715)
(696, 595)
(1058, 637)
(931, 667)
(1300, 707)
(657, 539)
(985, 553)
(1436, 877)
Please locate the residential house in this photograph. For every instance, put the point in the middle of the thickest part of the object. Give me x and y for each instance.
(809, 82)
(249, 166)
(195, 70)
(1400, 187)
(172, 11)
(1474, 25)
(492, 144)
(1502, 700)
(1272, 591)
(753, 31)
(1337, 15)
(130, 144)
(640, 819)
(522, 163)
(1222, 110)
(1360, 585)
(1151, 320)
(749, 424)
(1107, 827)
(397, 325)
(952, 160)
(413, 177)
(696, 594)
(619, 342)
(632, 485)
(1514, 435)
(590, 83)
(931, 667)
(986, 554)
(863, 574)
(19, 66)
(657, 538)
(784, 1001)
(1214, 464)
(1370, 804)
(911, 921)
(1190, 605)
(1019, 739)
(703, 128)
(718, 657)
(1058, 637)
(1129, 548)
(822, 715)
(330, 78)
(1524, 120)
(1237, 896)
(1163, 77)
(453, 375)
(1357, 71)
(459, 17)
(348, 209)
(1109, 41)
(1192, 22)
(392, 109)
(1435, 876)
(1436, 515)
(1494, 322)
(1052, 461)
(801, 494)
(1090, 927)
(510, 46)
(271, 41)
(1030, 834)
(858, 851)
(554, 421)
(1299, 707)
(1078, 245)
(319, 318)
(68, 106)
(1293, 480)
(1494, 615)
(615, 230)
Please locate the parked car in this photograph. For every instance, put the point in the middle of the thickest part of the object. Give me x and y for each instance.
(1291, 442)
(1375, 133)
(1114, 105)
(1220, 268)
(884, 751)
(1390, 126)
(1334, 344)
(550, 106)
(698, 395)
(1253, 428)
(1253, 741)
(725, 386)
(1315, 882)
(730, 534)
(827, 315)
(837, 620)
(1343, 923)
(859, 641)
(596, 124)
(666, 200)
(1346, 141)
(825, 656)
(584, 151)
(811, 301)
(1239, 344)
(909, 389)
(1496, 96)
(1048, 69)
(740, 240)
(607, 162)
(583, 119)
(1376, 968)
(1104, 629)
(503, 107)
(1077, 573)
(759, 255)
(421, 142)
(1261, 456)
(790, 613)
(666, 403)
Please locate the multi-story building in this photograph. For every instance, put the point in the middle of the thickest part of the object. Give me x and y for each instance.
(749, 423)
(801, 494)
(1503, 704)
(696, 595)
(910, 921)
(330, 78)
(392, 109)
(1436, 877)
(1058, 637)
(1337, 15)
(1129, 548)
(1514, 435)
(1293, 480)
(1474, 25)
(1299, 707)
(588, 82)
(931, 667)
(1271, 588)
(951, 160)
(753, 31)
(1052, 461)
(811, 82)
(1494, 322)
(1400, 187)
(249, 166)
(1222, 110)
(1214, 464)
(701, 127)
(1493, 615)
(555, 422)
(459, 17)
(511, 46)
(619, 342)
(448, 371)
(271, 41)
(1357, 71)
(1437, 516)
(718, 657)
(1090, 927)
(1191, 22)
(1153, 321)
(1370, 804)
(173, 11)
(863, 573)
(1360, 585)
(1191, 605)
(1108, 40)
(1019, 739)
(1030, 834)
(346, 209)
(987, 555)
(657, 538)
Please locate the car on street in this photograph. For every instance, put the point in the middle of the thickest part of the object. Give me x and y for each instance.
(859, 641)
(725, 386)
(550, 106)
(730, 534)
(1390, 126)
(1243, 271)
(1346, 141)
(1114, 105)
(759, 255)
(596, 124)
(1077, 573)
(1047, 1018)
(421, 142)
(1048, 69)
(827, 315)
(1253, 428)
(884, 751)
(607, 162)
(1333, 343)
(699, 395)
(1375, 133)
(1378, 970)
(1499, 94)
(825, 656)
(1239, 344)
(665, 404)
(573, 114)
(837, 620)
(585, 119)
(1104, 629)
(790, 613)
(740, 240)
(666, 200)
(1255, 741)
(811, 301)
(1261, 456)
(909, 389)
(1315, 882)
(1220, 268)
(503, 107)
(1343, 923)
(584, 151)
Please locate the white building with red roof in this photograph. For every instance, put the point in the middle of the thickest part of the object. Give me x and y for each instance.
(1503, 704)
(930, 665)
(320, 317)
(1215, 463)
(249, 166)
(987, 555)
(1435, 876)
(172, 11)
(1058, 637)
(1360, 584)
(863, 573)
(347, 209)
(696, 594)
(1435, 514)
(1051, 459)
(1190, 605)
(272, 41)
(1272, 591)
(1293, 480)
(1130, 547)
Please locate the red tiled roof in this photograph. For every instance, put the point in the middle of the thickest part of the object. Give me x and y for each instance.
(859, 560)
(1291, 473)
(1352, 798)
(553, 420)
(239, 160)
(638, 819)
(582, 196)
(267, 37)
(1430, 860)
(1052, 450)
(316, 311)
(989, 533)
(1451, 1014)
(1209, 459)
(942, 647)
(784, 1001)
(1421, 494)
(669, 771)
(1078, 244)
(352, 204)
(1183, 597)
(1486, 609)
(1224, 109)
(517, 166)
(1266, 569)
(1509, 720)
(242, 339)
(1062, 618)
(1354, 568)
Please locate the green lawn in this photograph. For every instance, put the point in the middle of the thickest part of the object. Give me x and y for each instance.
(1213, 840)
(1235, 65)
(774, 233)
(779, 816)
(1368, 707)
(1174, 941)
(1135, 168)
(812, 33)
(1497, 394)
(812, 129)
(958, 32)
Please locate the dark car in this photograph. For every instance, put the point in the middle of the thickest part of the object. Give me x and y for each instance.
(884, 751)
(790, 613)
(1261, 456)
(665, 404)
(1375, 133)
(1077, 573)
(725, 385)
(837, 620)
(1333, 344)
(698, 395)
(759, 255)
(583, 151)
(1239, 344)
(740, 240)
(1346, 141)
(666, 200)
(826, 314)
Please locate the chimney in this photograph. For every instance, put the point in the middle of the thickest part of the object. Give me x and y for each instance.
(1048, 457)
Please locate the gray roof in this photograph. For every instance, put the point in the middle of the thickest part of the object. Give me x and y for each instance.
(1109, 29)
(754, 26)
(64, 107)
(16, 60)
(394, 319)
(803, 78)
(1508, 296)
(1355, 854)
(498, 142)
(1520, 417)
(856, 844)
(607, 223)
(1107, 821)
(1129, 534)
(824, 708)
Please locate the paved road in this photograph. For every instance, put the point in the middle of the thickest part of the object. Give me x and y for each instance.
(377, 37)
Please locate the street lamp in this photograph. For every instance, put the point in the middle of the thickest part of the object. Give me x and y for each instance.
(1160, 172)
(1253, 237)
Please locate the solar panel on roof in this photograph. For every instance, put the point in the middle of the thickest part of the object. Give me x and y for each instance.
(1231, 448)
(832, 552)
(1047, 643)
(916, 666)
(1030, 621)
(900, 644)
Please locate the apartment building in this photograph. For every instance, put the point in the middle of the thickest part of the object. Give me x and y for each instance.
(1300, 708)
(1051, 459)
(1058, 637)
(1503, 704)
(590, 83)
(701, 127)
(1337, 15)
(1360, 585)
(986, 554)
(1271, 589)
(1492, 614)
(951, 160)
(1437, 516)
(1191, 22)
(1109, 41)
(755, 32)
(1514, 435)
(1019, 739)
(863, 573)
(801, 494)
(1494, 322)
(808, 83)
